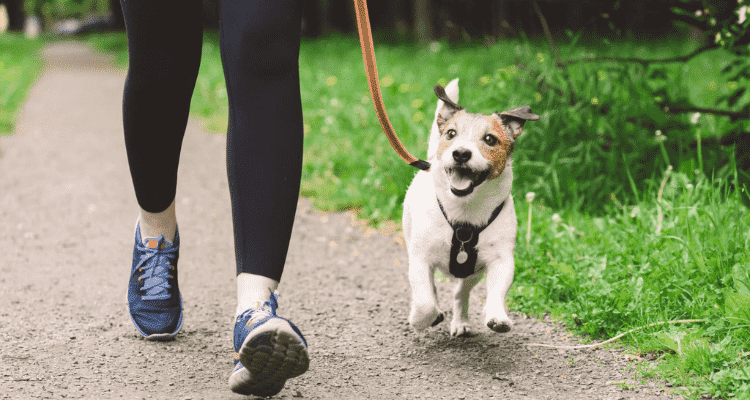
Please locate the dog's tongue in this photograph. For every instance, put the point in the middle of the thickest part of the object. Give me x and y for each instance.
(459, 182)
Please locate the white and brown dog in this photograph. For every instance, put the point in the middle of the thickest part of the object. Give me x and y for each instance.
(459, 216)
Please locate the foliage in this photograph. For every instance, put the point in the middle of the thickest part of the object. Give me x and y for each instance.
(56, 10)
(630, 116)
(727, 25)
(725, 22)
(111, 42)
(19, 68)
(607, 274)
(597, 135)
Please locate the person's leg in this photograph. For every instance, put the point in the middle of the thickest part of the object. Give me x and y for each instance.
(260, 48)
(260, 42)
(164, 45)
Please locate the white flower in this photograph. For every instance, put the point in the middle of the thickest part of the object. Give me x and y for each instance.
(694, 118)
(658, 133)
(689, 186)
(742, 14)
(530, 197)
(556, 218)
(699, 13)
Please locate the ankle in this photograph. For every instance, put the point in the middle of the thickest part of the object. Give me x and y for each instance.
(163, 223)
(253, 290)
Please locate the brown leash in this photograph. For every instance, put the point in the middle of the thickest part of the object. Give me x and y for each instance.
(368, 55)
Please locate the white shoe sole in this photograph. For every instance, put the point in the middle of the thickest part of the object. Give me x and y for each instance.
(271, 354)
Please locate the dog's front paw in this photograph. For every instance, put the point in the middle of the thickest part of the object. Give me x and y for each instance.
(460, 329)
(423, 319)
(500, 325)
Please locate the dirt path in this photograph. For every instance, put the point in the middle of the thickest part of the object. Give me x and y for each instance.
(68, 211)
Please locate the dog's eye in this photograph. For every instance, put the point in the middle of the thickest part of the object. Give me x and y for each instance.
(450, 133)
(490, 140)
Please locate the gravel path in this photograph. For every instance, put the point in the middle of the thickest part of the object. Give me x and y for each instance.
(68, 212)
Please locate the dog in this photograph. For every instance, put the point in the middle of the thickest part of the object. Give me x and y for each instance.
(459, 217)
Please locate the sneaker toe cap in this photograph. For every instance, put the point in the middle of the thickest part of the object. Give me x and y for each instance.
(157, 320)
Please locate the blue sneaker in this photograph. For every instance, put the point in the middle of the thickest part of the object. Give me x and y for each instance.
(154, 300)
(268, 351)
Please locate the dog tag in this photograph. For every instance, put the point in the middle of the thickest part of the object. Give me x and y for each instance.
(463, 254)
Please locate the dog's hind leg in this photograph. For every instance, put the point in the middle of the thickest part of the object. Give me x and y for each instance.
(460, 321)
(424, 306)
(499, 279)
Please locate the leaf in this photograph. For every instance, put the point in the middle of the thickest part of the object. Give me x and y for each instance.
(670, 340)
(741, 276)
(736, 96)
(656, 115)
(564, 268)
(731, 65)
(737, 307)
(740, 73)
(658, 73)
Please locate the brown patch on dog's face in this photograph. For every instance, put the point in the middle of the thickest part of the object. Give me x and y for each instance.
(495, 145)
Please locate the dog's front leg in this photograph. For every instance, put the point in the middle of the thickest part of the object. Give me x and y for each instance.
(424, 305)
(460, 321)
(499, 279)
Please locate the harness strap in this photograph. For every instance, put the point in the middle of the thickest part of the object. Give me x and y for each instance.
(463, 253)
(472, 228)
(371, 69)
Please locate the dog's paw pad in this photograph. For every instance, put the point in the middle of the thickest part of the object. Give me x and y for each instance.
(439, 319)
(499, 326)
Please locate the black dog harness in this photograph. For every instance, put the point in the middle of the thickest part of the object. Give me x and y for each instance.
(463, 258)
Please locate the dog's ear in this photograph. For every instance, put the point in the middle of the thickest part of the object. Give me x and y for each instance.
(515, 119)
(448, 109)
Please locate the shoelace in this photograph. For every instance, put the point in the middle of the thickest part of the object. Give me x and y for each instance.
(256, 313)
(155, 275)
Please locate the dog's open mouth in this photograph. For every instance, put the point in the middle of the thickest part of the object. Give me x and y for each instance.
(464, 180)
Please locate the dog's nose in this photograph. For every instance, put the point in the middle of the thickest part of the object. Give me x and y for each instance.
(461, 155)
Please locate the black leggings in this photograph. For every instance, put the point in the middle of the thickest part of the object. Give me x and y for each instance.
(259, 50)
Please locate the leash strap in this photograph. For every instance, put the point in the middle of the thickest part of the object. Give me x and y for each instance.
(371, 69)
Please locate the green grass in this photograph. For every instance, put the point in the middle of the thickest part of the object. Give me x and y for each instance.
(605, 274)
(111, 42)
(20, 66)
(597, 163)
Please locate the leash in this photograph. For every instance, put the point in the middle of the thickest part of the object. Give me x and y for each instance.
(371, 69)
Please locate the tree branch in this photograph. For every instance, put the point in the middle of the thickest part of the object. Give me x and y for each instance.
(678, 110)
(547, 33)
(643, 61)
(742, 138)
